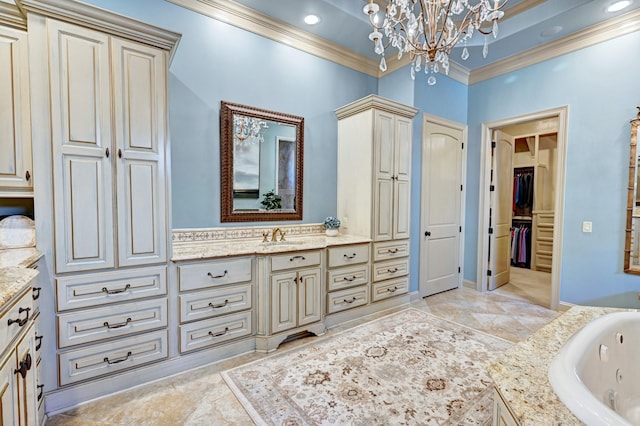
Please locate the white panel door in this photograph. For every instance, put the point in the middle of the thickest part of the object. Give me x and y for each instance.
(441, 215)
(384, 168)
(81, 140)
(15, 132)
(139, 99)
(284, 314)
(501, 202)
(309, 294)
(402, 179)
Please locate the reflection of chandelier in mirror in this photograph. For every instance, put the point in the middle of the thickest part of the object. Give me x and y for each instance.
(427, 30)
(248, 130)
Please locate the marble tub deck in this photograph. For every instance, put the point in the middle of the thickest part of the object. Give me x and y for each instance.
(201, 397)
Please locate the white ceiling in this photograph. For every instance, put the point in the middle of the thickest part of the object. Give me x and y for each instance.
(344, 23)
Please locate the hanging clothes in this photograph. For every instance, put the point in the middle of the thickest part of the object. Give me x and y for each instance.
(523, 191)
(521, 245)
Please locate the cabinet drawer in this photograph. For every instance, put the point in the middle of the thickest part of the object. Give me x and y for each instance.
(347, 299)
(545, 218)
(115, 321)
(543, 262)
(348, 255)
(20, 314)
(205, 333)
(544, 247)
(390, 269)
(215, 273)
(545, 232)
(108, 358)
(295, 260)
(206, 304)
(110, 287)
(338, 279)
(390, 250)
(386, 289)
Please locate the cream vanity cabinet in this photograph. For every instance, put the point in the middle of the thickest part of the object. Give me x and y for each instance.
(374, 192)
(347, 277)
(291, 294)
(216, 300)
(15, 123)
(18, 385)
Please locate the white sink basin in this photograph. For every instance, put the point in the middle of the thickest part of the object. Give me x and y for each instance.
(596, 373)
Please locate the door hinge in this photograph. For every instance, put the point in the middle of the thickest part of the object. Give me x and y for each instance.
(488, 272)
(462, 145)
(461, 187)
(458, 269)
(490, 231)
(461, 229)
(492, 188)
(493, 144)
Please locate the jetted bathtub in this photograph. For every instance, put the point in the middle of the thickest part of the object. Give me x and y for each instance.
(596, 374)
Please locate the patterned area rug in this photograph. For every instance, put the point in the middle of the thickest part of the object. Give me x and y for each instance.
(406, 368)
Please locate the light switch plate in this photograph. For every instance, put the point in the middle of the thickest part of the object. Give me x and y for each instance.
(587, 226)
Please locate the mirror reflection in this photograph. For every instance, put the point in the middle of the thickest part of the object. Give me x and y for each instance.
(632, 242)
(261, 159)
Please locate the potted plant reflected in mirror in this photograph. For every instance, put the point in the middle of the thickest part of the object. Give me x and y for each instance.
(331, 226)
(271, 201)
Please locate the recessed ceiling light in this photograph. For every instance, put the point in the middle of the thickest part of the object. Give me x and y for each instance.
(618, 6)
(311, 19)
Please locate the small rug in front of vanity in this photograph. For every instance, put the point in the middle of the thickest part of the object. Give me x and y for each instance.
(406, 368)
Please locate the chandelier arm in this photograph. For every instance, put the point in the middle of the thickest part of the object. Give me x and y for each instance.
(445, 31)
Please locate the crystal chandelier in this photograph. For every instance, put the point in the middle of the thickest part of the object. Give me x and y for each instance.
(248, 130)
(427, 30)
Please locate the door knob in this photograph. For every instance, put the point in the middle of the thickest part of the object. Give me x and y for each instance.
(427, 233)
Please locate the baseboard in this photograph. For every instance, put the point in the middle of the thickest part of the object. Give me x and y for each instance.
(469, 284)
(414, 295)
(565, 306)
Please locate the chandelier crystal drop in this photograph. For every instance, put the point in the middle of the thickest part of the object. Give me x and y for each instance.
(248, 130)
(427, 30)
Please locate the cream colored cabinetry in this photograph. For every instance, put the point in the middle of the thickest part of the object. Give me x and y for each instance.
(501, 414)
(18, 386)
(215, 302)
(347, 277)
(374, 169)
(100, 156)
(290, 294)
(15, 131)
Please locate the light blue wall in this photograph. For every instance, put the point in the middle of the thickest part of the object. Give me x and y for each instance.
(601, 87)
(215, 61)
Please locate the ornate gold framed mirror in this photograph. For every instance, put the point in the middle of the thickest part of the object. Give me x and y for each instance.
(261, 164)
(632, 231)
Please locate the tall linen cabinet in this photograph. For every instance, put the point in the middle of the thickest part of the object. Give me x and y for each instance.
(374, 185)
(99, 110)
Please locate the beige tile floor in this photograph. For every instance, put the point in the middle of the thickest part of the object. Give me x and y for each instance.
(525, 284)
(201, 397)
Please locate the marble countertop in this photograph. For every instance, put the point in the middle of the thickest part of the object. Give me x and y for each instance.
(521, 375)
(211, 249)
(15, 271)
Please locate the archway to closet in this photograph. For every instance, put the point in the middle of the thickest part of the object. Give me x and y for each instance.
(521, 199)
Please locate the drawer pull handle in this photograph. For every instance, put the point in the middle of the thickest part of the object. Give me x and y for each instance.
(353, 299)
(393, 251)
(24, 366)
(392, 290)
(297, 257)
(122, 324)
(349, 279)
(222, 333)
(117, 361)
(41, 393)
(353, 256)
(217, 276)
(20, 322)
(221, 305)
(392, 271)
(122, 290)
(36, 292)
(39, 340)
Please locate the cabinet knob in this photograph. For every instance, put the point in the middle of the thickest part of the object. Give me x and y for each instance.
(20, 322)
(24, 366)
(106, 152)
(427, 233)
(119, 153)
(36, 292)
(27, 175)
(39, 340)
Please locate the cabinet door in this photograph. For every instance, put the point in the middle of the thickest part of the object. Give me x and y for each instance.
(402, 178)
(385, 176)
(139, 107)
(8, 391)
(309, 296)
(284, 313)
(15, 133)
(81, 138)
(27, 398)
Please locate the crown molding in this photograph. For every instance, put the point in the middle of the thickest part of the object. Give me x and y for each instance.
(10, 16)
(263, 25)
(608, 30)
(377, 102)
(89, 16)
